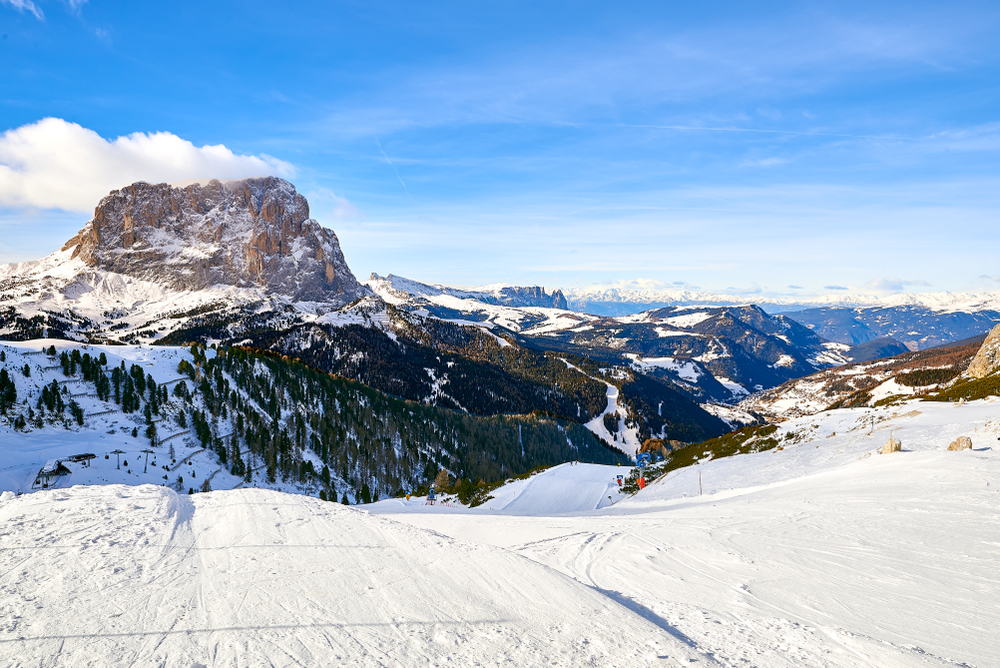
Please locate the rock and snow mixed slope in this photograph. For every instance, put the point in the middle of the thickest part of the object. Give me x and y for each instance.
(866, 383)
(155, 255)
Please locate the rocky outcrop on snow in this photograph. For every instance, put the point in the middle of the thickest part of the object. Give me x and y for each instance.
(987, 360)
(892, 445)
(961, 443)
(252, 233)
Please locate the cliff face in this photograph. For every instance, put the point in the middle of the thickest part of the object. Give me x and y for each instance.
(987, 360)
(250, 233)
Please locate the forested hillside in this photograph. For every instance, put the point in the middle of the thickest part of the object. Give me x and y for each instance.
(273, 421)
(467, 368)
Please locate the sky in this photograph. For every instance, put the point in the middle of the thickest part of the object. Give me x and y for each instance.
(774, 149)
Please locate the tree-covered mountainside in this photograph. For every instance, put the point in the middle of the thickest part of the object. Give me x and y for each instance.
(269, 419)
(469, 368)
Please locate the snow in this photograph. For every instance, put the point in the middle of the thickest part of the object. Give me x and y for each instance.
(121, 575)
(687, 370)
(784, 361)
(688, 319)
(890, 388)
(734, 388)
(663, 333)
(833, 354)
(819, 554)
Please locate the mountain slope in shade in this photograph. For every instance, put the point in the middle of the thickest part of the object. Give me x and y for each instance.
(918, 327)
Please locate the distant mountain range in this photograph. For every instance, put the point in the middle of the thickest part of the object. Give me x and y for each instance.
(918, 321)
(619, 301)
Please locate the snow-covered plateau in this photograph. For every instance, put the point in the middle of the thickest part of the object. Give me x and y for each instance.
(820, 552)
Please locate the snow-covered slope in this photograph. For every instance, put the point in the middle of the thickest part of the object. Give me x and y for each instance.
(141, 576)
(107, 428)
(518, 309)
(399, 290)
(821, 553)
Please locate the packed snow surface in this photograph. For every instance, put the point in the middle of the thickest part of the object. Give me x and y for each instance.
(141, 576)
(823, 553)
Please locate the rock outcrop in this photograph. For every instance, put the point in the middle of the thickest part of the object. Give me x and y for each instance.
(987, 360)
(961, 443)
(892, 445)
(249, 233)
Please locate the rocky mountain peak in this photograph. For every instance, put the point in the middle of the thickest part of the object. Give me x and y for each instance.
(249, 233)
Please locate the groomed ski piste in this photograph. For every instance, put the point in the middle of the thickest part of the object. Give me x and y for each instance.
(821, 553)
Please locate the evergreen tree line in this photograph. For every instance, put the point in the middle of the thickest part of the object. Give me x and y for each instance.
(301, 425)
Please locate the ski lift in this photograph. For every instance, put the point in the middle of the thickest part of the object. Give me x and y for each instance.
(52, 469)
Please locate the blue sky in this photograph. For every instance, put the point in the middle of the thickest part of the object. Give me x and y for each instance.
(774, 149)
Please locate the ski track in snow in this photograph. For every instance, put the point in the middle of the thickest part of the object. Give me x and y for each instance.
(120, 575)
(820, 554)
(629, 442)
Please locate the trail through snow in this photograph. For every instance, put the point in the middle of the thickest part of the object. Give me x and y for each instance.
(140, 576)
(626, 438)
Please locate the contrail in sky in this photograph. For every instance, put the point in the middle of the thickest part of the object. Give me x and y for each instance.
(405, 189)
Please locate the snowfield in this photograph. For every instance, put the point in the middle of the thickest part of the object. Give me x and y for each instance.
(819, 553)
(823, 553)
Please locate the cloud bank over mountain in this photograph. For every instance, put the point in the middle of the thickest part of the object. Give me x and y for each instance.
(55, 164)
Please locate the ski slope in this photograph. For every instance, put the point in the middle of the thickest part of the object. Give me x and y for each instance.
(822, 554)
(141, 576)
(567, 488)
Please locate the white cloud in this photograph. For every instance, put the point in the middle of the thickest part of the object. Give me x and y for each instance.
(25, 6)
(892, 285)
(55, 164)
